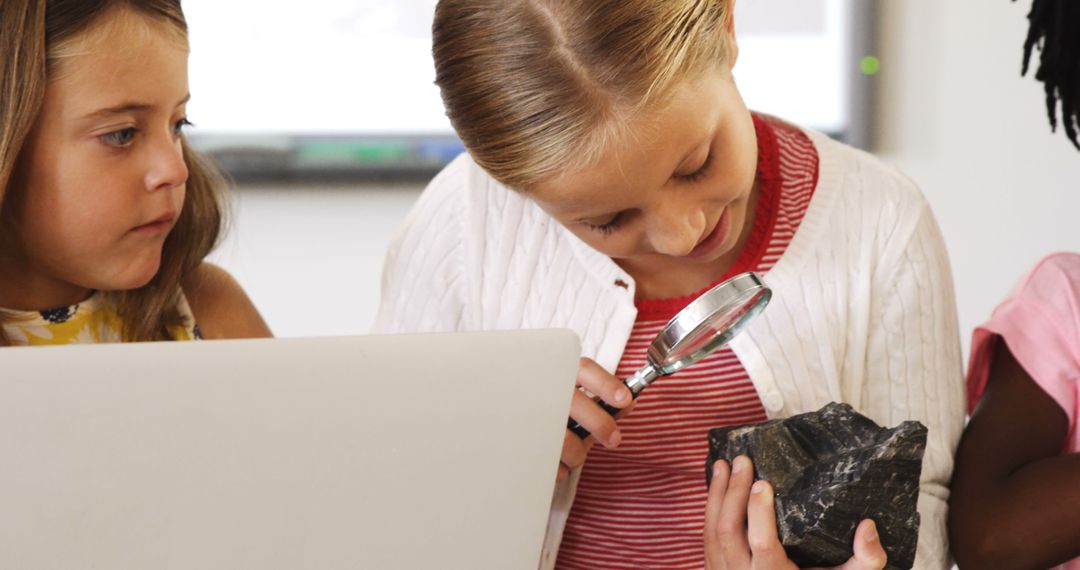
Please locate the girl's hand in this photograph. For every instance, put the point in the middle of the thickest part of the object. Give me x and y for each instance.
(740, 526)
(591, 416)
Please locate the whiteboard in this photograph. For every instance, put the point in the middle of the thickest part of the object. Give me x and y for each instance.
(340, 85)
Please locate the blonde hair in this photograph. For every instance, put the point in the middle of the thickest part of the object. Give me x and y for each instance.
(536, 86)
(34, 36)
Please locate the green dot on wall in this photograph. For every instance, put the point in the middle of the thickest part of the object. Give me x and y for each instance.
(870, 65)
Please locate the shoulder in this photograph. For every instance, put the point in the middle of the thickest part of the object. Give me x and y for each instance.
(1048, 294)
(433, 233)
(428, 271)
(461, 215)
(220, 305)
(449, 205)
(461, 185)
(464, 192)
(872, 202)
(1040, 323)
(861, 203)
(857, 173)
(1052, 284)
(1060, 272)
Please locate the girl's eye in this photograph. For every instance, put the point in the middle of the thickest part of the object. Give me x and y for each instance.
(699, 173)
(609, 227)
(181, 126)
(119, 138)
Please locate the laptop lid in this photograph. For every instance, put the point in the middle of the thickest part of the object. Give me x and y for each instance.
(380, 452)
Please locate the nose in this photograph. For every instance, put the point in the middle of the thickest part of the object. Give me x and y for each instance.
(676, 229)
(167, 167)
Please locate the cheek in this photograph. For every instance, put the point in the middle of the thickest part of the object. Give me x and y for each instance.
(736, 165)
(736, 192)
(76, 210)
(735, 177)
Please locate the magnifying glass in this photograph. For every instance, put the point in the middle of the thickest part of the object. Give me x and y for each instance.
(706, 324)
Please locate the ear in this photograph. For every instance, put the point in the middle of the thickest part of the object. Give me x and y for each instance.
(729, 32)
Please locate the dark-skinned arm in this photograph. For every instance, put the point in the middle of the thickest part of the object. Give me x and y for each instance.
(1015, 498)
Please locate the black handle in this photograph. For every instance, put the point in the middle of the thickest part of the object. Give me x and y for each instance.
(580, 430)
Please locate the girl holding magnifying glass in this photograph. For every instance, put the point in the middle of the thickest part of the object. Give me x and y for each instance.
(613, 174)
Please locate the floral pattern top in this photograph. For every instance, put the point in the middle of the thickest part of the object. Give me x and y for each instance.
(92, 321)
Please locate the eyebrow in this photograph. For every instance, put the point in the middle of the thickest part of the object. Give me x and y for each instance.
(128, 108)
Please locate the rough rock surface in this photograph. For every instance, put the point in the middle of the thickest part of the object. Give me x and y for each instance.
(831, 469)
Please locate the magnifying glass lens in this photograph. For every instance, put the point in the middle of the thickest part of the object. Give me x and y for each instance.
(706, 324)
(716, 328)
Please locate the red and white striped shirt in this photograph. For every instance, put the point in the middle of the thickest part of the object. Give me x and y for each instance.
(643, 505)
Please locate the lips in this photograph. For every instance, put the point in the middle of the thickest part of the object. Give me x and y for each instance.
(715, 238)
(162, 222)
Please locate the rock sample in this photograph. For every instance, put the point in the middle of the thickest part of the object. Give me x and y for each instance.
(831, 469)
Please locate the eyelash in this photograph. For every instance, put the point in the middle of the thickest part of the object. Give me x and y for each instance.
(112, 139)
(182, 124)
(608, 228)
(699, 173)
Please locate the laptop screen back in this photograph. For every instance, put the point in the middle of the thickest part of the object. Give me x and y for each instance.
(382, 452)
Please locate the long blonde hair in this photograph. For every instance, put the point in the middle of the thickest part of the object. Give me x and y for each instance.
(536, 86)
(33, 34)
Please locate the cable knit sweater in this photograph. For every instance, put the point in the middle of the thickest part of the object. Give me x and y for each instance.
(863, 309)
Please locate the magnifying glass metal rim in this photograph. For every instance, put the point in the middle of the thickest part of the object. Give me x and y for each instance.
(686, 324)
(698, 313)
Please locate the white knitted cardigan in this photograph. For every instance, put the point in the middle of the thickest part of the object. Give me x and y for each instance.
(863, 310)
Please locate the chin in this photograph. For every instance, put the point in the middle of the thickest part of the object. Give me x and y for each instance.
(136, 275)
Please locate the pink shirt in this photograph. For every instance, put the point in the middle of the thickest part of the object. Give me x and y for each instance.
(1040, 321)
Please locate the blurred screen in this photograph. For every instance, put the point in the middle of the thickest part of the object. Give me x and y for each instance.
(332, 82)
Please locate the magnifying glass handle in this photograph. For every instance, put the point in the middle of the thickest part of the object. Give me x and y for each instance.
(635, 383)
(580, 430)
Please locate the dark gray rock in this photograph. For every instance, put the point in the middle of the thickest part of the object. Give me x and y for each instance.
(831, 469)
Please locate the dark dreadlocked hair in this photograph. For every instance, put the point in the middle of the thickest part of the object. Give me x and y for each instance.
(1055, 29)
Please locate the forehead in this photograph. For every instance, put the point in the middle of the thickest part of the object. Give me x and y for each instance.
(646, 152)
(124, 53)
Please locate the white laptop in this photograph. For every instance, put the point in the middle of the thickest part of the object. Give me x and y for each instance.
(381, 452)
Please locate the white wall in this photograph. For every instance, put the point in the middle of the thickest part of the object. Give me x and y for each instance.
(953, 113)
(311, 256)
(957, 117)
